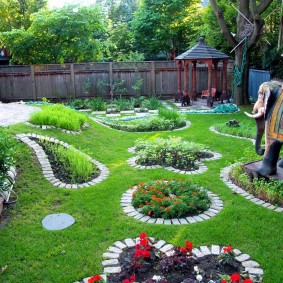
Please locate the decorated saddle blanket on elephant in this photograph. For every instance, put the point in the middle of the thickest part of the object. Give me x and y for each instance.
(276, 124)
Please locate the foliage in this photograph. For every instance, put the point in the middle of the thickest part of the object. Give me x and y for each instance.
(170, 199)
(124, 104)
(170, 152)
(152, 103)
(233, 123)
(147, 124)
(16, 14)
(60, 116)
(95, 104)
(7, 156)
(160, 26)
(227, 256)
(77, 165)
(57, 36)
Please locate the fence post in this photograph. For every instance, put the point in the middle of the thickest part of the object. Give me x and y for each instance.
(32, 76)
(73, 83)
(110, 74)
(152, 79)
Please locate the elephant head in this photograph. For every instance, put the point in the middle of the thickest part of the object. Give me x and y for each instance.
(268, 115)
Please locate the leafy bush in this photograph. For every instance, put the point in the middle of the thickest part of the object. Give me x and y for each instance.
(170, 199)
(124, 104)
(170, 152)
(7, 153)
(151, 103)
(77, 165)
(60, 116)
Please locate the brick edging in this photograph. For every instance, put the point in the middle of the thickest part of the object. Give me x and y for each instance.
(46, 167)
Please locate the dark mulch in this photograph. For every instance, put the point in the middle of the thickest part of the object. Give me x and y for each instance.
(173, 269)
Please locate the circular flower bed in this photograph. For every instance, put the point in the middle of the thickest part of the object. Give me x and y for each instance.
(146, 260)
(170, 199)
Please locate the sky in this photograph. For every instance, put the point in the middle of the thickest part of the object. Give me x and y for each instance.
(61, 3)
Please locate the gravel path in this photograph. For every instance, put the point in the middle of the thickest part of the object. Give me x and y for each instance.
(13, 113)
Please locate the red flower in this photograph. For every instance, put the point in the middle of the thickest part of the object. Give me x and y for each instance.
(143, 235)
(248, 281)
(235, 277)
(94, 278)
(143, 242)
(183, 250)
(130, 280)
(189, 246)
(223, 281)
(227, 249)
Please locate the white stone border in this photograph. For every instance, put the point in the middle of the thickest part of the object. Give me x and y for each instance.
(224, 175)
(126, 203)
(202, 167)
(188, 124)
(9, 182)
(46, 167)
(111, 264)
(45, 127)
(212, 128)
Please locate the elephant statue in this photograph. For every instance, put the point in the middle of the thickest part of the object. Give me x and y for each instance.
(268, 114)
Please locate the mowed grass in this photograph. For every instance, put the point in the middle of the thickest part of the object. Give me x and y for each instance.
(29, 253)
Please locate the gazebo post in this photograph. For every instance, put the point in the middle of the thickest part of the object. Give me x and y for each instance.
(215, 85)
(194, 79)
(209, 67)
(186, 69)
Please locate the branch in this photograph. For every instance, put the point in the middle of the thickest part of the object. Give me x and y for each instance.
(263, 6)
(223, 25)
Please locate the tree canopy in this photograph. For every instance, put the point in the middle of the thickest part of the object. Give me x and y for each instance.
(56, 36)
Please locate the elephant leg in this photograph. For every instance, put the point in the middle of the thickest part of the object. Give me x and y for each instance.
(270, 159)
(280, 163)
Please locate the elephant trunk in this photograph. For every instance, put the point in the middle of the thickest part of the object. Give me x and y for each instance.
(259, 133)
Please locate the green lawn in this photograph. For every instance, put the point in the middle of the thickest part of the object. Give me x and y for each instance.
(33, 254)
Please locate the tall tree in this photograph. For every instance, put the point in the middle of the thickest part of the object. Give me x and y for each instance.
(249, 29)
(15, 14)
(162, 26)
(57, 36)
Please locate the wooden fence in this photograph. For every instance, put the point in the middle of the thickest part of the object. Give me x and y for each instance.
(94, 79)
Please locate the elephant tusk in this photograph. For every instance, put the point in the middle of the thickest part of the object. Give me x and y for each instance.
(255, 116)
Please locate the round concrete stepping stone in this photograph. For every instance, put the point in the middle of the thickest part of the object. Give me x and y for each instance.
(58, 221)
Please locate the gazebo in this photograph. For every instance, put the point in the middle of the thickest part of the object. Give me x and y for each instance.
(201, 52)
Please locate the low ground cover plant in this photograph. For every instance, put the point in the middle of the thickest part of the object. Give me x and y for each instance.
(170, 199)
(170, 152)
(72, 165)
(166, 120)
(245, 128)
(7, 154)
(59, 116)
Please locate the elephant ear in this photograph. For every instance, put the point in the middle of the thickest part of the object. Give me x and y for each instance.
(267, 102)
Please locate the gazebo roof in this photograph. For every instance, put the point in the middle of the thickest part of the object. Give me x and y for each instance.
(202, 51)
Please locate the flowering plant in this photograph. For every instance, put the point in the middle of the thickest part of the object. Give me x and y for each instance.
(170, 199)
(96, 278)
(227, 256)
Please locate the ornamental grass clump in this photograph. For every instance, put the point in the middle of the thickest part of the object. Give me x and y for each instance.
(170, 152)
(71, 162)
(59, 116)
(170, 199)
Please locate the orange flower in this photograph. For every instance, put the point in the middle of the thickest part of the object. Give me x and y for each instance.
(134, 195)
(149, 213)
(153, 197)
(195, 194)
(191, 204)
(140, 206)
(167, 208)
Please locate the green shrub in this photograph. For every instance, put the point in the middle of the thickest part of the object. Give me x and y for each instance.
(76, 164)
(59, 116)
(7, 153)
(170, 152)
(152, 103)
(170, 199)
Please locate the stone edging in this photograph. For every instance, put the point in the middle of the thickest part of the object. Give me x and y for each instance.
(46, 167)
(11, 175)
(111, 263)
(215, 208)
(44, 127)
(188, 124)
(212, 128)
(224, 175)
(202, 167)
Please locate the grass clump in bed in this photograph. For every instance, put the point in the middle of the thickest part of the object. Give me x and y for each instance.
(59, 116)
